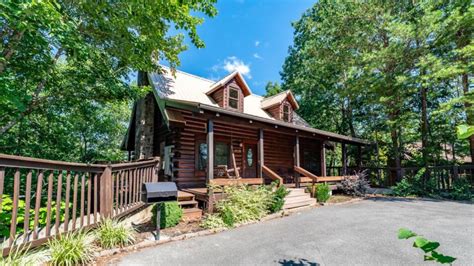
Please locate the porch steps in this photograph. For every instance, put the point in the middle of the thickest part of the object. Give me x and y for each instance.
(298, 198)
(188, 203)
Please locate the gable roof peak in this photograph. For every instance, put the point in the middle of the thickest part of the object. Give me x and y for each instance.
(235, 74)
(276, 99)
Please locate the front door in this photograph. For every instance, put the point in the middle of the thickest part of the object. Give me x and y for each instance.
(250, 160)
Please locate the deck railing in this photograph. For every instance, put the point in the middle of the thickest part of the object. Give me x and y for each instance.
(273, 176)
(42, 199)
(388, 176)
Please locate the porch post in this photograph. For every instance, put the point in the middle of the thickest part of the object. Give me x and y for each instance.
(323, 159)
(210, 150)
(297, 159)
(210, 163)
(260, 153)
(344, 158)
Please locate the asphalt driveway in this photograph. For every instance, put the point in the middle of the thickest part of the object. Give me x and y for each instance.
(362, 233)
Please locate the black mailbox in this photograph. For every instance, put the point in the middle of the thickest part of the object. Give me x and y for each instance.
(159, 192)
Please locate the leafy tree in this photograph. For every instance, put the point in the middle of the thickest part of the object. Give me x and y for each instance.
(65, 67)
(272, 88)
(388, 72)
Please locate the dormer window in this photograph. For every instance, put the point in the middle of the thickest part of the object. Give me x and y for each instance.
(280, 106)
(286, 113)
(234, 98)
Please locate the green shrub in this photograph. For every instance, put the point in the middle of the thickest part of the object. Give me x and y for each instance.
(111, 234)
(415, 186)
(6, 215)
(171, 214)
(322, 192)
(72, 249)
(461, 190)
(241, 204)
(244, 203)
(213, 221)
(278, 199)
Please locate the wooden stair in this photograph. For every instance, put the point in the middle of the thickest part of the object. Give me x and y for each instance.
(297, 198)
(188, 203)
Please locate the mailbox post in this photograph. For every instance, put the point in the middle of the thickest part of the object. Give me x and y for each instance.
(157, 193)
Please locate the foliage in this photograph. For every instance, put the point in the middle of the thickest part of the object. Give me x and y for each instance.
(464, 131)
(428, 247)
(65, 68)
(241, 204)
(72, 249)
(111, 234)
(356, 185)
(396, 73)
(272, 88)
(278, 199)
(244, 203)
(22, 255)
(415, 185)
(322, 192)
(171, 214)
(213, 221)
(6, 215)
(461, 189)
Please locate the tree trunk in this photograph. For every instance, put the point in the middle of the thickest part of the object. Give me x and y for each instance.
(424, 125)
(469, 114)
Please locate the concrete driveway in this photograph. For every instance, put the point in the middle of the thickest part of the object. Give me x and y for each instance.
(362, 233)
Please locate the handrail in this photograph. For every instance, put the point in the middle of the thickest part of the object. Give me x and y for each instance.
(272, 175)
(306, 173)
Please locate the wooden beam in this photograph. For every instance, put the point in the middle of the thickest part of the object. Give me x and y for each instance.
(210, 150)
(323, 159)
(297, 159)
(297, 151)
(234, 163)
(344, 158)
(260, 153)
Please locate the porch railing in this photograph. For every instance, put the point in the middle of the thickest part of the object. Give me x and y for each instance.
(42, 199)
(444, 176)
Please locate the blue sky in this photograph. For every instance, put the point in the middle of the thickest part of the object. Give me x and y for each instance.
(248, 35)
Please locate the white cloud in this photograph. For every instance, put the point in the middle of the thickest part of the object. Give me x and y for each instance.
(257, 43)
(256, 55)
(233, 63)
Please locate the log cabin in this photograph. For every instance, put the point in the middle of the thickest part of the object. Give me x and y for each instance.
(219, 132)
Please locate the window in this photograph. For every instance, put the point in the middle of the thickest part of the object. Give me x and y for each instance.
(286, 113)
(202, 156)
(234, 98)
(249, 157)
(221, 154)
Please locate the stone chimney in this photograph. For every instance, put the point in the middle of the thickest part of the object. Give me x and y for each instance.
(145, 114)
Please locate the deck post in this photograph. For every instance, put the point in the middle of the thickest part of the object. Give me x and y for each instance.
(297, 159)
(260, 153)
(106, 192)
(323, 159)
(210, 163)
(344, 158)
(210, 150)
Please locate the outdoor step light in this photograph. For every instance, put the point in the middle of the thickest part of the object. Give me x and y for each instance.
(158, 192)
